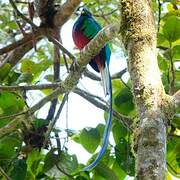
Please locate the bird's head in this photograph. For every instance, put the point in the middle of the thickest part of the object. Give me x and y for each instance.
(86, 12)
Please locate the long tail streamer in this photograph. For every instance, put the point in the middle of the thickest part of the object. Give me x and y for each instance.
(106, 131)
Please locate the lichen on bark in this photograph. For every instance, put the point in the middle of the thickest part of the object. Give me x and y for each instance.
(139, 37)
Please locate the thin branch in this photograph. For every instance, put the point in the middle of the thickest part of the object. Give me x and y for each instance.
(54, 120)
(12, 115)
(106, 14)
(173, 170)
(61, 47)
(24, 40)
(2, 172)
(159, 14)
(89, 51)
(11, 126)
(30, 87)
(91, 75)
(118, 75)
(127, 122)
(21, 15)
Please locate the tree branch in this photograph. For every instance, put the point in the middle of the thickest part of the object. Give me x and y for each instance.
(30, 87)
(65, 12)
(89, 51)
(127, 122)
(21, 15)
(60, 18)
(86, 54)
(26, 39)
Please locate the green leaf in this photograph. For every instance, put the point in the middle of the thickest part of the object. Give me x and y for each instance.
(171, 28)
(11, 103)
(162, 41)
(90, 139)
(38, 123)
(119, 131)
(176, 122)
(76, 138)
(163, 64)
(4, 71)
(68, 163)
(41, 66)
(25, 77)
(13, 77)
(19, 170)
(104, 171)
(34, 162)
(49, 77)
(124, 157)
(176, 53)
(27, 66)
(173, 155)
(124, 101)
(119, 172)
(100, 128)
(8, 145)
(50, 160)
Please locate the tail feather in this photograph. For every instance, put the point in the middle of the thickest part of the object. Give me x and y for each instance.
(105, 80)
(108, 90)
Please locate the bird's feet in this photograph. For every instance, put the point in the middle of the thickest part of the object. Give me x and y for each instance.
(74, 66)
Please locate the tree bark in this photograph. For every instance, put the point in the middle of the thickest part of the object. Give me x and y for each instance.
(139, 37)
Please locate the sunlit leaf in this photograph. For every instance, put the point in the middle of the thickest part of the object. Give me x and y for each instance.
(90, 139)
(171, 28)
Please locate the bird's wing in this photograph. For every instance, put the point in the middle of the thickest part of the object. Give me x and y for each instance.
(90, 28)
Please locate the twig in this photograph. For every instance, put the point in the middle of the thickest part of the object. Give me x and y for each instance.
(54, 120)
(172, 169)
(21, 42)
(119, 74)
(125, 84)
(89, 51)
(55, 41)
(4, 174)
(64, 55)
(159, 14)
(97, 78)
(121, 118)
(106, 14)
(21, 15)
(13, 115)
(91, 75)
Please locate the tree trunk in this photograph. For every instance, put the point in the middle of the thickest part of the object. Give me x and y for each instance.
(139, 37)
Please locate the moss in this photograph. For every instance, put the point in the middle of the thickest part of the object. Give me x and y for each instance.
(135, 136)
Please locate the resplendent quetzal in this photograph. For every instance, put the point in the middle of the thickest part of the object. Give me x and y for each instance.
(85, 29)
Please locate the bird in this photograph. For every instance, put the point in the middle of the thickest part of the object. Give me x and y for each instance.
(84, 30)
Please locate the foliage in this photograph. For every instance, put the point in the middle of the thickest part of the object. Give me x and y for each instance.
(23, 154)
